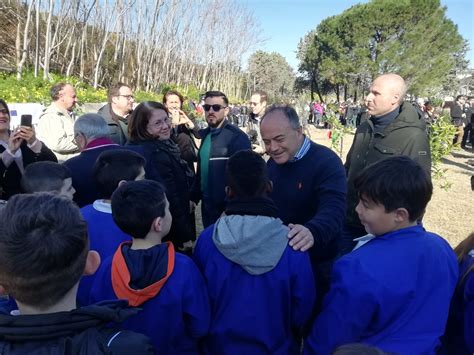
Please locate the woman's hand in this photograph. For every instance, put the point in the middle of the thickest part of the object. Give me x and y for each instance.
(14, 142)
(184, 119)
(28, 134)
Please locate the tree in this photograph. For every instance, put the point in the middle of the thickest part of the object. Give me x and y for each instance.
(412, 38)
(272, 73)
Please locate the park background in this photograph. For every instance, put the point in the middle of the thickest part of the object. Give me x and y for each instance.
(297, 50)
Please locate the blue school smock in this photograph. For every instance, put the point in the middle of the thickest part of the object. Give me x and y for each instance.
(175, 309)
(104, 237)
(393, 293)
(255, 313)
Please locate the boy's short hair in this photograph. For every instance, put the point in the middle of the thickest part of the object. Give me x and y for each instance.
(136, 204)
(43, 248)
(396, 182)
(115, 165)
(246, 174)
(358, 349)
(44, 176)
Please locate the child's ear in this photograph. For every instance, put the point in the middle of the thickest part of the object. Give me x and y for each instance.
(121, 182)
(269, 187)
(92, 263)
(402, 215)
(229, 192)
(156, 226)
(2, 291)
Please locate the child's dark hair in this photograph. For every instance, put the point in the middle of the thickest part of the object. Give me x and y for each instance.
(136, 204)
(246, 174)
(113, 166)
(462, 250)
(358, 349)
(44, 176)
(43, 248)
(396, 182)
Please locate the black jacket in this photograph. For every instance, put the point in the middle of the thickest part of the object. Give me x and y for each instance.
(405, 135)
(184, 138)
(118, 125)
(81, 331)
(166, 166)
(10, 177)
(225, 141)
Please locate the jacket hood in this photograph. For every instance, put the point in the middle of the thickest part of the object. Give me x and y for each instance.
(256, 243)
(40, 327)
(125, 287)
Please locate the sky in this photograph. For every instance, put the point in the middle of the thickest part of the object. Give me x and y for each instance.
(285, 22)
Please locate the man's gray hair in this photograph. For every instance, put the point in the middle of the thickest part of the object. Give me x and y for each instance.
(92, 126)
(289, 113)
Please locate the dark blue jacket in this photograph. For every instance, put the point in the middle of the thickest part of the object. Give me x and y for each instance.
(392, 293)
(312, 192)
(175, 309)
(459, 337)
(225, 141)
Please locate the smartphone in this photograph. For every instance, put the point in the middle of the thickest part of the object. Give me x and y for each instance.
(26, 120)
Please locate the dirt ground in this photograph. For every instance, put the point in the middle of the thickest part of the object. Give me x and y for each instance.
(450, 212)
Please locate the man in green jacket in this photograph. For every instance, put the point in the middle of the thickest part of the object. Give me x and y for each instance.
(394, 128)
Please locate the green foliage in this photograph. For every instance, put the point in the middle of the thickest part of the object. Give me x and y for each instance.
(338, 131)
(412, 38)
(441, 144)
(272, 73)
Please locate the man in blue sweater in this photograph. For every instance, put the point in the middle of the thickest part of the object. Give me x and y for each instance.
(309, 188)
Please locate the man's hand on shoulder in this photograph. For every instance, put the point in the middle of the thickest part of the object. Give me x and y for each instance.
(300, 237)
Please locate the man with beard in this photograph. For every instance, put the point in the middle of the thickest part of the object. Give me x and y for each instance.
(219, 140)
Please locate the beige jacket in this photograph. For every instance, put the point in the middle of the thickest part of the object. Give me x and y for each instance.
(56, 130)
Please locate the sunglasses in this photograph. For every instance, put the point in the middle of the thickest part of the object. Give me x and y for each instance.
(215, 107)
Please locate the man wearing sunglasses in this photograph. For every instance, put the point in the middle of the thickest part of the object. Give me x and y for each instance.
(219, 140)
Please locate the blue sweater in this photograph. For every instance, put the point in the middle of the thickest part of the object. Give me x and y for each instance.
(175, 309)
(254, 313)
(393, 293)
(312, 192)
(104, 237)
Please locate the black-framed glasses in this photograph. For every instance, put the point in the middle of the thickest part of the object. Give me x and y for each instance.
(128, 97)
(4, 110)
(215, 107)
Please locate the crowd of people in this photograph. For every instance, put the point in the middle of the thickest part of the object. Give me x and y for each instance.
(99, 251)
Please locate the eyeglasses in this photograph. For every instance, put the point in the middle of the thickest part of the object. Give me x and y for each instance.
(254, 103)
(165, 121)
(128, 97)
(4, 110)
(215, 107)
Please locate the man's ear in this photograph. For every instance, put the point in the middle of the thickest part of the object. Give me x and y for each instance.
(401, 215)
(229, 192)
(92, 263)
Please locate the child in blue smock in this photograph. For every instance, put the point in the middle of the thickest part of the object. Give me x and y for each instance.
(394, 291)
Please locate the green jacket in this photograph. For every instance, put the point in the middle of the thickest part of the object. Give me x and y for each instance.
(406, 135)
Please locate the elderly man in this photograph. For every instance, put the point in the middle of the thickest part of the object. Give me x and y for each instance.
(395, 127)
(219, 141)
(56, 124)
(116, 112)
(309, 188)
(91, 134)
